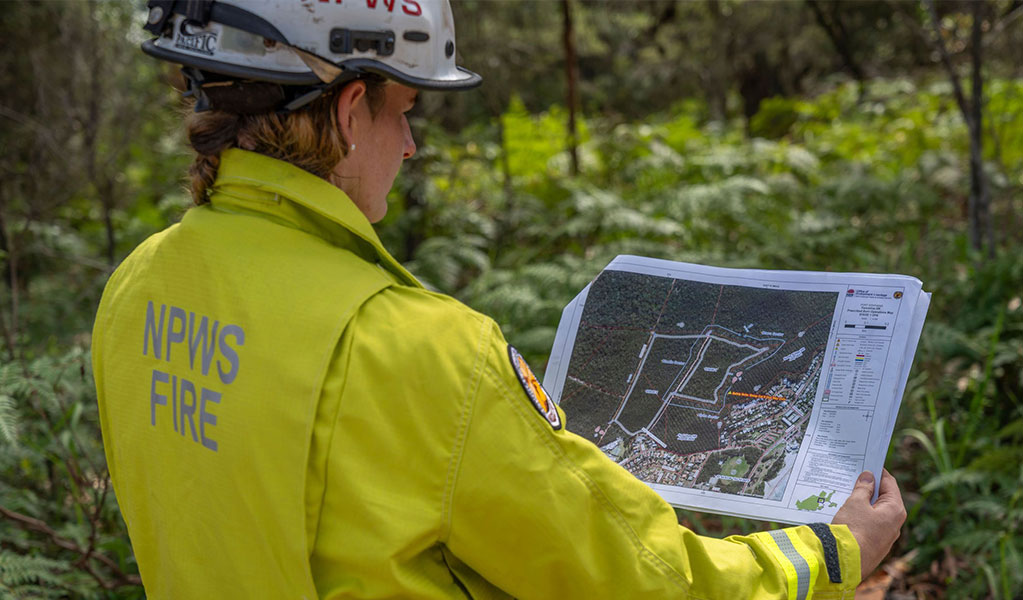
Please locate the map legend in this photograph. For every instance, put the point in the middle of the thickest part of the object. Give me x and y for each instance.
(857, 365)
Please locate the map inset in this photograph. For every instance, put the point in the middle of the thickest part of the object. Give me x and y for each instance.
(697, 385)
(817, 502)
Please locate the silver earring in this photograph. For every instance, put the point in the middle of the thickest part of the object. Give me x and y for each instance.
(352, 149)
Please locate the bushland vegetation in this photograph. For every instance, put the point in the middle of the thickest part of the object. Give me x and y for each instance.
(872, 136)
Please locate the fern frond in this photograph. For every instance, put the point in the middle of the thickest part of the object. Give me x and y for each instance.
(957, 477)
(8, 420)
(985, 507)
(974, 540)
(18, 571)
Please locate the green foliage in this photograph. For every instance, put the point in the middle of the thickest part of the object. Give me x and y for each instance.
(973, 444)
(534, 141)
(23, 576)
(775, 118)
(751, 170)
(55, 483)
(860, 180)
(8, 421)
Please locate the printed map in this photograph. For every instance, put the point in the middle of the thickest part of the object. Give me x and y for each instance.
(698, 385)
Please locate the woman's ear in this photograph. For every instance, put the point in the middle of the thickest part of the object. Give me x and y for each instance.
(350, 104)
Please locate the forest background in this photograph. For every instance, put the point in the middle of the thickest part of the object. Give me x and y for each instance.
(873, 136)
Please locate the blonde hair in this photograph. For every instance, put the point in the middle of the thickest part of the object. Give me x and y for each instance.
(308, 138)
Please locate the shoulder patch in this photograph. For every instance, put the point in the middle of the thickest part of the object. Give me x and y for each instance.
(537, 395)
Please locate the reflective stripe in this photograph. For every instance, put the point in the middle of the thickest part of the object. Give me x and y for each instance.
(797, 561)
(808, 555)
(791, 577)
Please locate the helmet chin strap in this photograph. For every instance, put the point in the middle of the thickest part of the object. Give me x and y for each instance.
(213, 92)
(328, 73)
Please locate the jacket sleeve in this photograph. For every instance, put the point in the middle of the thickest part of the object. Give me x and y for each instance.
(542, 513)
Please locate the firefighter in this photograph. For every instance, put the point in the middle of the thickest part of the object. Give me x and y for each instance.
(288, 413)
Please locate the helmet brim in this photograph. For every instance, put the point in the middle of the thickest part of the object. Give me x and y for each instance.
(462, 79)
(151, 48)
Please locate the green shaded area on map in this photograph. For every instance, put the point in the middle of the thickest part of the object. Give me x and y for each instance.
(816, 502)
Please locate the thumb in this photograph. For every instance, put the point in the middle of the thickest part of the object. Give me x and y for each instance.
(863, 491)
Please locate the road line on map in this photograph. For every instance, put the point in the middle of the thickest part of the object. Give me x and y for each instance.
(661, 313)
(745, 395)
(714, 318)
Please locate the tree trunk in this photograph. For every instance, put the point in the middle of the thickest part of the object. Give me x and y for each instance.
(101, 181)
(572, 77)
(107, 202)
(504, 220)
(978, 203)
(759, 81)
(982, 234)
(718, 72)
(9, 322)
(5, 247)
(506, 179)
(665, 17)
(839, 36)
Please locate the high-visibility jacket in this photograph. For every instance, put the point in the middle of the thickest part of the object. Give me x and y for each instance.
(287, 413)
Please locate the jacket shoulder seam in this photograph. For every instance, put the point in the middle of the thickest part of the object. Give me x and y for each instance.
(468, 405)
(337, 335)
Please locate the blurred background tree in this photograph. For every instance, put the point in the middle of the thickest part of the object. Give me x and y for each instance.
(870, 136)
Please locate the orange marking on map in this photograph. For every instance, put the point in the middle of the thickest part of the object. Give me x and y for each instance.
(756, 396)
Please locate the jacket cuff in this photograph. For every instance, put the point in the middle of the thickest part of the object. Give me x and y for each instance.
(819, 561)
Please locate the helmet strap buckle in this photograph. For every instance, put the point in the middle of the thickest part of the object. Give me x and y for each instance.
(195, 80)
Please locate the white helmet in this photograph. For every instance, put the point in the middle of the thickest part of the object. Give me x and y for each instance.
(230, 49)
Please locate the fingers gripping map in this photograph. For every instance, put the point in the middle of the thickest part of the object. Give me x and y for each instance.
(705, 384)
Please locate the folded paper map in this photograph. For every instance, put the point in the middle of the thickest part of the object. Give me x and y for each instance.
(754, 393)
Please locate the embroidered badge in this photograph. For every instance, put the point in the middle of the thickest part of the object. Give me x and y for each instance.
(537, 395)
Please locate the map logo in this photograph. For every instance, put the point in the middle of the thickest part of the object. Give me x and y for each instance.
(850, 292)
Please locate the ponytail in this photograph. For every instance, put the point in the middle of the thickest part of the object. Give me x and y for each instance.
(209, 133)
(309, 138)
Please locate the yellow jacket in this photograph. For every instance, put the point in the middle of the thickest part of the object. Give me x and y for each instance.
(287, 413)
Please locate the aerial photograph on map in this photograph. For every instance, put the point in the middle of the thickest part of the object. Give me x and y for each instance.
(697, 385)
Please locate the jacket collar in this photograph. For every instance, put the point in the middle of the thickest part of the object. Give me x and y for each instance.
(255, 184)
